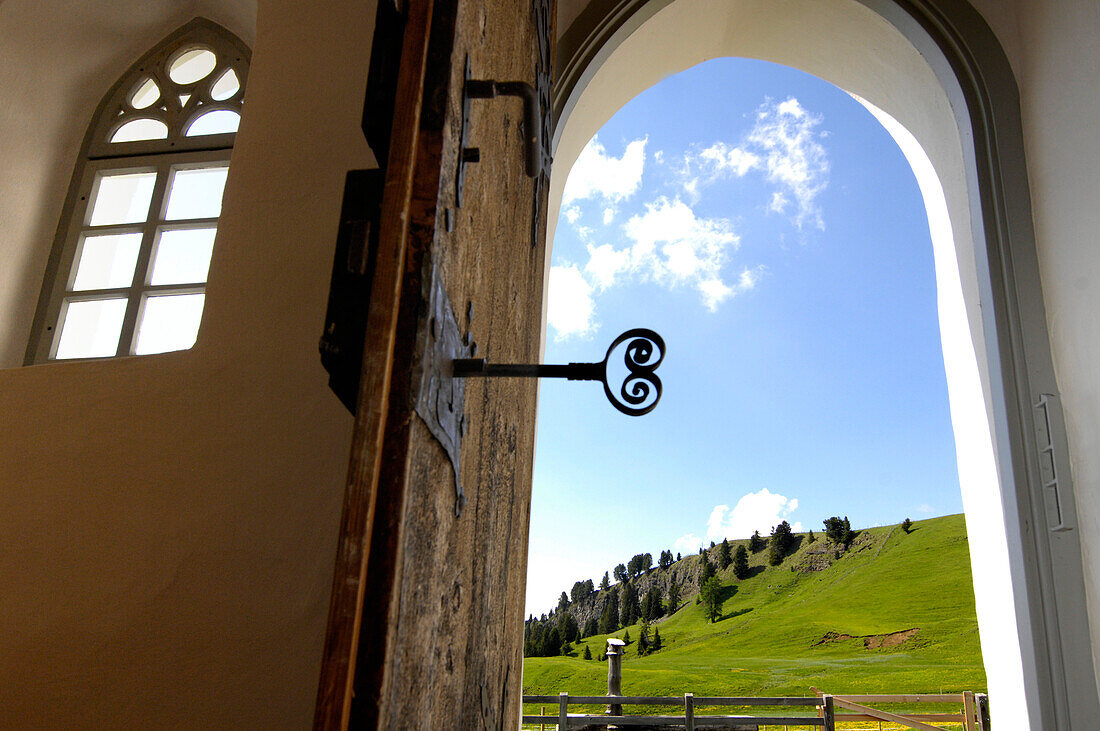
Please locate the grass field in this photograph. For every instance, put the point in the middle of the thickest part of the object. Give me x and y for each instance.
(771, 638)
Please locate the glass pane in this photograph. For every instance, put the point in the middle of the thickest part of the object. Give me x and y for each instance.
(196, 193)
(226, 86)
(106, 262)
(182, 256)
(191, 66)
(90, 329)
(122, 198)
(184, 98)
(141, 129)
(169, 322)
(215, 123)
(145, 94)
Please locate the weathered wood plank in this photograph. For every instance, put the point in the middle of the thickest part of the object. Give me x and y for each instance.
(334, 690)
(883, 715)
(676, 700)
(449, 650)
(938, 698)
(969, 711)
(575, 719)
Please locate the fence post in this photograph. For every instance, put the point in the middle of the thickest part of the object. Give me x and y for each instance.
(983, 712)
(563, 711)
(969, 710)
(829, 715)
(615, 650)
(689, 711)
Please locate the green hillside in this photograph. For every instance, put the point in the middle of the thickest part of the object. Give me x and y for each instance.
(786, 628)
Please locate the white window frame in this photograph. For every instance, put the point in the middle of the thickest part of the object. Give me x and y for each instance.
(99, 156)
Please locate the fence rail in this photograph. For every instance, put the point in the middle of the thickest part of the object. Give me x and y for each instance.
(974, 715)
(565, 720)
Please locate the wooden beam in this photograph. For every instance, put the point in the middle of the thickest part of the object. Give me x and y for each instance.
(969, 711)
(334, 689)
(883, 715)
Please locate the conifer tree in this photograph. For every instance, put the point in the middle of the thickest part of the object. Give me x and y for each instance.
(587, 653)
(756, 542)
(629, 607)
(605, 582)
(651, 606)
(811, 537)
(656, 644)
(626, 637)
(705, 570)
(741, 562)
(712, 599)
(609, 617)
(906, 525)
(724, 556)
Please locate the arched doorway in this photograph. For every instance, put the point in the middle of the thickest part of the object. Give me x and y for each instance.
(942, 77)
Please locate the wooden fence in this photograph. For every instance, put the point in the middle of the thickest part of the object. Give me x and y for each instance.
(565, 720)
(973, 716)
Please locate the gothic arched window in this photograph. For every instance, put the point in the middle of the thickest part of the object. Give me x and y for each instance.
(127, 274)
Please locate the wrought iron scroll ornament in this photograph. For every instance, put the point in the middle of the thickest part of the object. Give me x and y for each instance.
(644, 353)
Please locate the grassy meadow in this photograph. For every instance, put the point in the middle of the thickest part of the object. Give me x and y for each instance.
(782, 630)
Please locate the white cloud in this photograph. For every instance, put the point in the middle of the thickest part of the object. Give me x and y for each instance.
(605, 263)
(674, 247)
(689, 543)
(571, 310)
(784, 145)
(785, 136)
(755, 511)
(608, 215)
(572, 213)
(721, 158)
(596, 174)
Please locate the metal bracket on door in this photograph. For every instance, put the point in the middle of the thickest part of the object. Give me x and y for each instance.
(441, 401)
(532, 124)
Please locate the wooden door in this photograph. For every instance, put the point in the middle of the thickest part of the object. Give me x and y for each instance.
(426, 617)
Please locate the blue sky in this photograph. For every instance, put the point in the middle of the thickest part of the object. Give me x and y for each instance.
(769, 228)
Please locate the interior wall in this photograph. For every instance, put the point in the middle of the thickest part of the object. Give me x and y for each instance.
(169, 522)
(1056, 58)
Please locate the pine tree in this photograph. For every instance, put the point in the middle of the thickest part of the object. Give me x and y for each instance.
(906, 525)
(741, 562)
(839, 531)
(563, 602)
(609, 617)
(587, 653)
(605, 582)
(629, 607)
(656, 644)
(619, 572)
(811, 538)
(651, 606)
(643, 639)
(724, 557)
(591, 627)
(677, 555)
(712, 599)
(780, 544)
(705, 570)
(756, 542)
(626, 637)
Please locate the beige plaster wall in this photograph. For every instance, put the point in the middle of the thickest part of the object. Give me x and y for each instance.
(167, 523)
(1054, 52)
